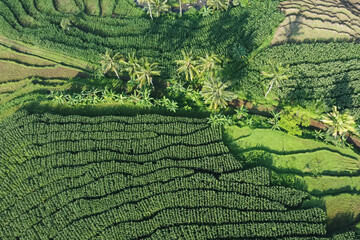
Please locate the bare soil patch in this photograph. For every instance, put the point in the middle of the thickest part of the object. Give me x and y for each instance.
(318, 20)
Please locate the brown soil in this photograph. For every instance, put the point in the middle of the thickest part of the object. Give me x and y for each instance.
(318, 19)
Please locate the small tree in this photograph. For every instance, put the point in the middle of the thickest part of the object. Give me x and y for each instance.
(277, 73)
(214, 92)
(188, 65)
(209, 64)
(220, 5)
(109, 62)
(144, 74)
(159, 6)
(65, 23)
(131, 65)
(339, 124)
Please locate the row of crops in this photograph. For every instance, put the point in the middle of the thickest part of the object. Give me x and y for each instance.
(323, 72)
(141, 177)
(86, 36)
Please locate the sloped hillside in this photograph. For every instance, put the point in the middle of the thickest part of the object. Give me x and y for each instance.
(319, 19)
(143, 177)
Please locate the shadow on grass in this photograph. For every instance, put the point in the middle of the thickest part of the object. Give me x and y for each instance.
(341, 222)
(259, 157)
(116, 109)
(269, 150)
(335, 191)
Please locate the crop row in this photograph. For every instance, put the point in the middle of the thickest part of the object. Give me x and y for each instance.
(49, 170)
(48, 123)
(257, 175)
(174, 217)
(105, 184)
(100, 208)
(318, 71)
(88, 36)
(64, 181)
(227, 231)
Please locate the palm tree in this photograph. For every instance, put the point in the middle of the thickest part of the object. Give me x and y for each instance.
(187, 65)
(218, 4)
(277, 73)
(159, 6)
(131, 65)
(180, 7)
(339, 124)
(214, 92)
(145, 72)
(209, 64)
(109, 62)
(149, 11)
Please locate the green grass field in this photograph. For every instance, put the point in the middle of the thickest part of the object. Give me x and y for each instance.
(325, 171)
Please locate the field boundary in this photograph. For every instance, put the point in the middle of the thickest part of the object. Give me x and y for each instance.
(46, 54)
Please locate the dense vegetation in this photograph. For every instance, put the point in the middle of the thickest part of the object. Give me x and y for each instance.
(329, 173)
(147, 177)
(327, 73)
(82, 160)
(86, 35)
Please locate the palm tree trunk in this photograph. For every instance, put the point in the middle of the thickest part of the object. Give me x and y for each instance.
(269, 89)
(180, 8)
(150, 10)
(116, 72)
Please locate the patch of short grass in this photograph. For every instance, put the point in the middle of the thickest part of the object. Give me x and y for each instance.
(24, 58)
(92, 7)
(15, 71)
(321, 169)
(296, 154)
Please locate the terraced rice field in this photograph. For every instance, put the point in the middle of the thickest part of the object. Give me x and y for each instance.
(29, 73)
(124, 27)
(318, 20)
(325, 171)
(141, 177)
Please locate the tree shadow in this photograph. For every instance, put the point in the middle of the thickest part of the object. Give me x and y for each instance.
(335, 191)
(293, 28)
(341, 92)
(338, 93)
(341, 222)
(223, 30)
(314, 202)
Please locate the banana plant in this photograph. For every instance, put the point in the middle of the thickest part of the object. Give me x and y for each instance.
(108, 95)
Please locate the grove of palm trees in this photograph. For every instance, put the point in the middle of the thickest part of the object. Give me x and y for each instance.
(179, 119)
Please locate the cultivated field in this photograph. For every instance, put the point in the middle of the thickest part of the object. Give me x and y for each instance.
(143, 177)
(318, 20)
(29, 74)
(328, 74)
(112, 121)
(90, 33)
(326, 172)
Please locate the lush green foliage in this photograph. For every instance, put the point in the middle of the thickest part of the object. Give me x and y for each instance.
(129, 30)
(325, 171)
(146, 176)
(323, 72)
(339, 124)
